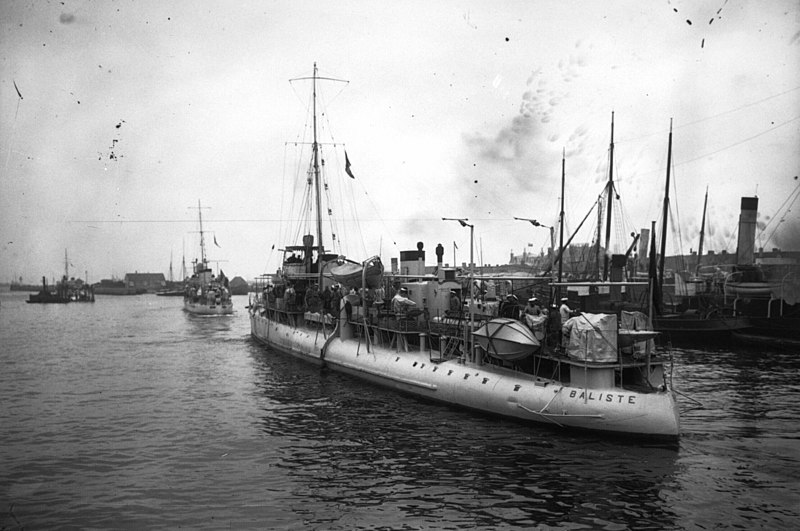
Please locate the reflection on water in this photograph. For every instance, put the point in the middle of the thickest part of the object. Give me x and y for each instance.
(392, 458)
(132, 413)
(743, 443)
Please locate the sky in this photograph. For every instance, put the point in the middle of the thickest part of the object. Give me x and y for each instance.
(118, 117)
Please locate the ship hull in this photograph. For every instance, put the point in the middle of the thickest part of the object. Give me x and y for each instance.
(700, 330)
(205, 309)
(486, 388)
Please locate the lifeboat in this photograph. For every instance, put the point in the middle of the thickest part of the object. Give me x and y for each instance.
(506, 339)
(350, 274)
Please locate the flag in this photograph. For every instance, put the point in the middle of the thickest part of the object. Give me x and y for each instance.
(454, 245)
(215, 242)
(347, 166)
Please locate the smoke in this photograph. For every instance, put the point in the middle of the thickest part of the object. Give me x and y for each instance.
(784, 236)
(524, 151)
(514, 149)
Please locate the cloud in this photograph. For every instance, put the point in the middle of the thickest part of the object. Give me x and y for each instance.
(66, 18)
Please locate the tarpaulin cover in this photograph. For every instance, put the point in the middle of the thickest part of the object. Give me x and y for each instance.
(637, 321)
(592, 337)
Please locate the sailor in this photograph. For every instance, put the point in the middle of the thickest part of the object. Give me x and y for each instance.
(534, 307)
(401, 303)
(380, 294)
(510, 307)
(455, 301)
(349, 300)
(290, 296)
(326, 299)
(336, 300)
(554, 326)
(312, 298)
(565, 310)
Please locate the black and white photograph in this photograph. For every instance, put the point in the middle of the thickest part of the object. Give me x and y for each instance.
(413, 265)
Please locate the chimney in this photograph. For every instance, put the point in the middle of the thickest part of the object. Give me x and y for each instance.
(413, 262)
(747, 231)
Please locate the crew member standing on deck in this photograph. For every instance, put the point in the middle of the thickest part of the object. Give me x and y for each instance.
(401, 304)
(534, 307)
(565, 310)
(290, 296)
(510, 307)
(455, 302)
(336, 301)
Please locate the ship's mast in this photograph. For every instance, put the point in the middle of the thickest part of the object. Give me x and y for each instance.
(170, 267)
(183, 261)
(665, 213)
(610, 192)
(202, 236)
(66, 265)
(702, 234)
(315, 148)
(561, 219)
(316, 161)
(599, 230)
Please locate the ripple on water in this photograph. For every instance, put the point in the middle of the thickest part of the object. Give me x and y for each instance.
(139, 415)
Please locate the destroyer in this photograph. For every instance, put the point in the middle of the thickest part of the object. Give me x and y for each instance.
(594, 372)
(205, 293)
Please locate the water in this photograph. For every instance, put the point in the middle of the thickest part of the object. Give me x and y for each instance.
(129, 413)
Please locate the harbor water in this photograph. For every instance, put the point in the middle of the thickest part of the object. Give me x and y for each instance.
(129, 413)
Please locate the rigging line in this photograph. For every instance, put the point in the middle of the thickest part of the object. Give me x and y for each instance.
(679, 163)
(796, 194)
(324, 105)
(343, 233)
(741, 141)
(677, 242)
(677, 222)
(283, 189)
(700, 120)
(354, 210)
(380, 218)
(778, 211)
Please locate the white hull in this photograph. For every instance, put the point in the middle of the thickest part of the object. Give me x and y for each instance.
(486, 388)
(204, 309)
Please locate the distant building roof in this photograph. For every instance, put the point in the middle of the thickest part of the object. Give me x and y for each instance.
(144, 277)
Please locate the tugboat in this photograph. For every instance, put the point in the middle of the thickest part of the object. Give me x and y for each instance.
(203, 292)
(66, 290)
(409, 331)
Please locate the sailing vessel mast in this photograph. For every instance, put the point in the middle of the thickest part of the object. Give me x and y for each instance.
(610, 192)
(315, 149)
(170, 267)
(315, 161)
(202, 236)
(599, 230)
(183, 262)
(561, 220)
(702, 235)
(664, 214)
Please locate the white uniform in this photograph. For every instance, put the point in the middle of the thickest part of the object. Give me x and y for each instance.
(564, 310)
